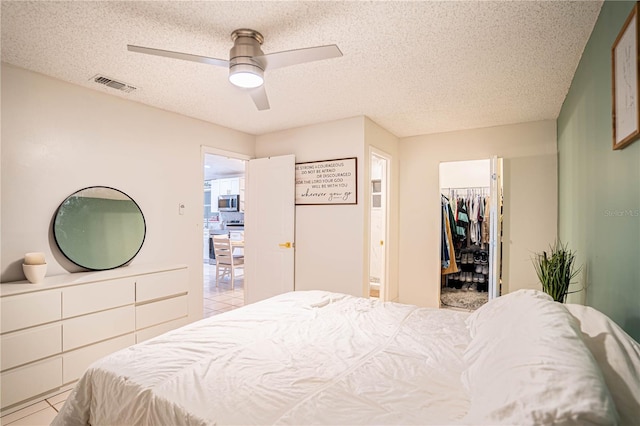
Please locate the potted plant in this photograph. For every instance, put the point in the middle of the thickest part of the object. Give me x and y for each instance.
(555, 270)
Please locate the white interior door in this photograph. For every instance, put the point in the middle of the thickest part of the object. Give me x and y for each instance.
(269, 227)
(378, 229)
(495, 225)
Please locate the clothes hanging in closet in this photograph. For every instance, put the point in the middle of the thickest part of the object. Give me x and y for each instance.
(484, 229)
(471, 209)
(447, 249)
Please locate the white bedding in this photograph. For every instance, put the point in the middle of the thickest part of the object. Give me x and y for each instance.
(299, 358)
(326, 358)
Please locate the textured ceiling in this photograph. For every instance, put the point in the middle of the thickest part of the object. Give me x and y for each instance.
(412, 67)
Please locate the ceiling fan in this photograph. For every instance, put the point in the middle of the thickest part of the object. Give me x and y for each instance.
(247, 63)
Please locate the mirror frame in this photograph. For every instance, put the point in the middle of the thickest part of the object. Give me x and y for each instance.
(75, 261)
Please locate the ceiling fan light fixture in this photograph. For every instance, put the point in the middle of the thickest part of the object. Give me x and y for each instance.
(246, 76)
(247, 62)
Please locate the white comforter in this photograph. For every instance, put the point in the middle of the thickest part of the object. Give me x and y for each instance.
(299, 358)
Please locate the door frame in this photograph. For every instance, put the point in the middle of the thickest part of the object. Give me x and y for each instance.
(496, 187)
(384, 287)
(495, 233)
(204, 150)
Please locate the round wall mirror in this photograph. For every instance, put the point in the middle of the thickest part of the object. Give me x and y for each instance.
(99, 228)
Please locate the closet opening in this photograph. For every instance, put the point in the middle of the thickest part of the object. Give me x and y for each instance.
(471, 200)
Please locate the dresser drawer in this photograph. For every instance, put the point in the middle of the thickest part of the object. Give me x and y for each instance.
(161, 311)
(27, 310)
(157, 330)
(29, 345)
(76, 362)
(81, 331)
(28, 381)
(162, 284)
(84, 299)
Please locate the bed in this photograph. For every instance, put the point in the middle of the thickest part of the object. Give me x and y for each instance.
(316, 357)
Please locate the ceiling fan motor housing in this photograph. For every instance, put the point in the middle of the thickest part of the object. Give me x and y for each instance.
(246, 46)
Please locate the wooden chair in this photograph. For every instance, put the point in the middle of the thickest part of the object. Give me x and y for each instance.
(226, 262)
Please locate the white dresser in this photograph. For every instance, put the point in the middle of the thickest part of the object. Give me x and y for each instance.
(51, 332)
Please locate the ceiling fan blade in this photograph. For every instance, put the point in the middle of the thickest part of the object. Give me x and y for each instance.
(298, 56)
(178, 55)
(259, 96)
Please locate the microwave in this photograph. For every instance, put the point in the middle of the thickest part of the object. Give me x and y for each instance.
(229, 203)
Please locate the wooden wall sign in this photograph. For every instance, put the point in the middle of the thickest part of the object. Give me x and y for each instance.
(327, 182)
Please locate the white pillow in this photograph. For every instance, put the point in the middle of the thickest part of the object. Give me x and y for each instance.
(527, 364)
(487, 311)
(618, 356)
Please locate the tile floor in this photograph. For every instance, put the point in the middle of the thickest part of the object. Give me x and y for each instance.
(39, 414)
(216, 301)
(221, 298)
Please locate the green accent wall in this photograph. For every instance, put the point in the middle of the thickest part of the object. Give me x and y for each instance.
(599, 188)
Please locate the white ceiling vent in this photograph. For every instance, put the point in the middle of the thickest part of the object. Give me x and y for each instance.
(114, 84)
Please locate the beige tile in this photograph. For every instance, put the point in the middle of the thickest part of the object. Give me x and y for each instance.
(23, 412)
(213, 303)
(222, 299)
(58, 406)
(237, 302)
(39, 418)
(61, 397)
(214, 292)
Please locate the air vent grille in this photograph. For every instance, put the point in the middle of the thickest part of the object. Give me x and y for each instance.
(114, 84)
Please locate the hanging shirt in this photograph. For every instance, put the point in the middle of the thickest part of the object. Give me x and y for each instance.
(473, 220)
(486, 222)
(444, 241)
(453, 266)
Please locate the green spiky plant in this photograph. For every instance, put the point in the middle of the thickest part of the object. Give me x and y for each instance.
(556, 269)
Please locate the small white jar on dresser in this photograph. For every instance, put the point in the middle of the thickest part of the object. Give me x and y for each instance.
(52, 331)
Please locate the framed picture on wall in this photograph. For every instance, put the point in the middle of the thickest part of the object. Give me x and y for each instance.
(624, 73)
(327, 182)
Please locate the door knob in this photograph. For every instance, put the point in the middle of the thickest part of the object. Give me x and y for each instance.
(285, 245)
(381, 242)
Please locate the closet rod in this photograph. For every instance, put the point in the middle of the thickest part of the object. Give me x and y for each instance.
(465, 187)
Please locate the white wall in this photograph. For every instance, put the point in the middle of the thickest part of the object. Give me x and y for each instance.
(58, 138)
(329, 238)
(465, 174)
(530, 193)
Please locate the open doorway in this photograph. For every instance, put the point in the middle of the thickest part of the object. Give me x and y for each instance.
(224, 209)
(378, 218)
(470, 257)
